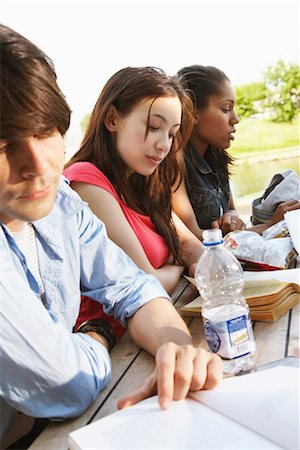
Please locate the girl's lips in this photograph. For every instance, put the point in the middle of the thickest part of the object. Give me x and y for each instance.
(154, 160)
(37, 195)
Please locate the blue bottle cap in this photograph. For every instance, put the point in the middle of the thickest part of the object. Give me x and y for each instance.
(212, 237)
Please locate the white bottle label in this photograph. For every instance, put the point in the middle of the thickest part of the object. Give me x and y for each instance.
(230, 338)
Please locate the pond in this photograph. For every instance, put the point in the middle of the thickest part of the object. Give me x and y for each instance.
(249, 181)
(253, 178)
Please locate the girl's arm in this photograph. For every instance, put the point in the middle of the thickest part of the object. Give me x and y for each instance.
(191, 247)
(182, 207)
(106, 207)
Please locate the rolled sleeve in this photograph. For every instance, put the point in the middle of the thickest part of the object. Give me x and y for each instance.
(109, 276)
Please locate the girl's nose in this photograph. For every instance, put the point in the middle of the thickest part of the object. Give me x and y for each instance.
(235, 118)
(164, 144)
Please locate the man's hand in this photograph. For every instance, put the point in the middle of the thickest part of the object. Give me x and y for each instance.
(229, 221)
(179, 369)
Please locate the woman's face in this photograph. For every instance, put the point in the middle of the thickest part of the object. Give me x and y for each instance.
(215, 124)
(142, 154)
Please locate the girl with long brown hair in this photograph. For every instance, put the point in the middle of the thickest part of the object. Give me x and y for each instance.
(127, 165)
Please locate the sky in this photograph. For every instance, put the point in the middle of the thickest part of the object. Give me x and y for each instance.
(90, 40)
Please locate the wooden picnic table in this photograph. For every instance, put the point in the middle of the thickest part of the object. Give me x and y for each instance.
(130, 366)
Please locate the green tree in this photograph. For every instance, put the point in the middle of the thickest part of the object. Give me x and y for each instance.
(84, 122)
(248, 99)
(283, 91)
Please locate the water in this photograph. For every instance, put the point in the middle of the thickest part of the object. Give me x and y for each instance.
(253, 178)
(250, 180)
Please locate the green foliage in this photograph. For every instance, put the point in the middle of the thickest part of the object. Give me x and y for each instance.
(84, 122)
(283, 90)
(276, 97)
(248, 98)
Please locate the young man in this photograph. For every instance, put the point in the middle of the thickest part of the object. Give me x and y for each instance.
(53, 248)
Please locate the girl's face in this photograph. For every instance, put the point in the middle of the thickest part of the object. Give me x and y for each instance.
(215, 124)
(142, 154)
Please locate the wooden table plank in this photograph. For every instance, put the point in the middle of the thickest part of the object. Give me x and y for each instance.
(271, 340)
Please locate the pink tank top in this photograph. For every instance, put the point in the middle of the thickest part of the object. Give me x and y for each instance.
(153, 243)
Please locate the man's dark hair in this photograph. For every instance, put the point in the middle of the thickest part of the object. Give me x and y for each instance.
(31, 101)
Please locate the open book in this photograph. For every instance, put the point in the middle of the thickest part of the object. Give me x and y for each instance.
(258, 411)
(268, 298)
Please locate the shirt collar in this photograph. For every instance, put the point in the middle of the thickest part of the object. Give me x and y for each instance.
(199, 162)
(66, 205)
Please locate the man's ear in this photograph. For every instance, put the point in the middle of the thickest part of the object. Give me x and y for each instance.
(111, 118)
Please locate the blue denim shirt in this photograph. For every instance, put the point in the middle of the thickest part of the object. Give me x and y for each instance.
(208, 190)
(46, 370)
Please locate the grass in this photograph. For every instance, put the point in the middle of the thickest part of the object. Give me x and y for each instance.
(256, 135)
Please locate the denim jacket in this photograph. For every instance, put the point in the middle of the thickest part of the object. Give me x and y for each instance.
(46, 370)
(208, 190)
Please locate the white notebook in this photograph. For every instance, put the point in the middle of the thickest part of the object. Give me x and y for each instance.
(255, 411)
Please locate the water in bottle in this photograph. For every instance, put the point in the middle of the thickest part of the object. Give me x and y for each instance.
(228, 329)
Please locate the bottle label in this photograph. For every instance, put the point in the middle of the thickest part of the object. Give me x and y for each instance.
(232, 338)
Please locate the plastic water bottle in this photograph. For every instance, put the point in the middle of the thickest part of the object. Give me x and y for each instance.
(228, 329)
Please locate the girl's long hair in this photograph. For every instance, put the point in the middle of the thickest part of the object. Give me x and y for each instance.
(149, 195)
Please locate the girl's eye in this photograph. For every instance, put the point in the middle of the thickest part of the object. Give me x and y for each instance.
(225, 110)
(151, 128)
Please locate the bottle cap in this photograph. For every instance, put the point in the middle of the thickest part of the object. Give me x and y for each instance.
(212, 237)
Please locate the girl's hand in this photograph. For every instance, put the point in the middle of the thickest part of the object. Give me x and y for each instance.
(230, 221)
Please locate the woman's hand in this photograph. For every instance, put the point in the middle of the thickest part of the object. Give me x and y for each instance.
(179, 369)
(278, 215)
(229, 221)
(281, 209)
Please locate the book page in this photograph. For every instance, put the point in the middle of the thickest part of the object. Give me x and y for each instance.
(288, 275)
(193, 307)
(269, 292)
(187, 424)
(190, 279)
(265, 401)
(258, 288)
